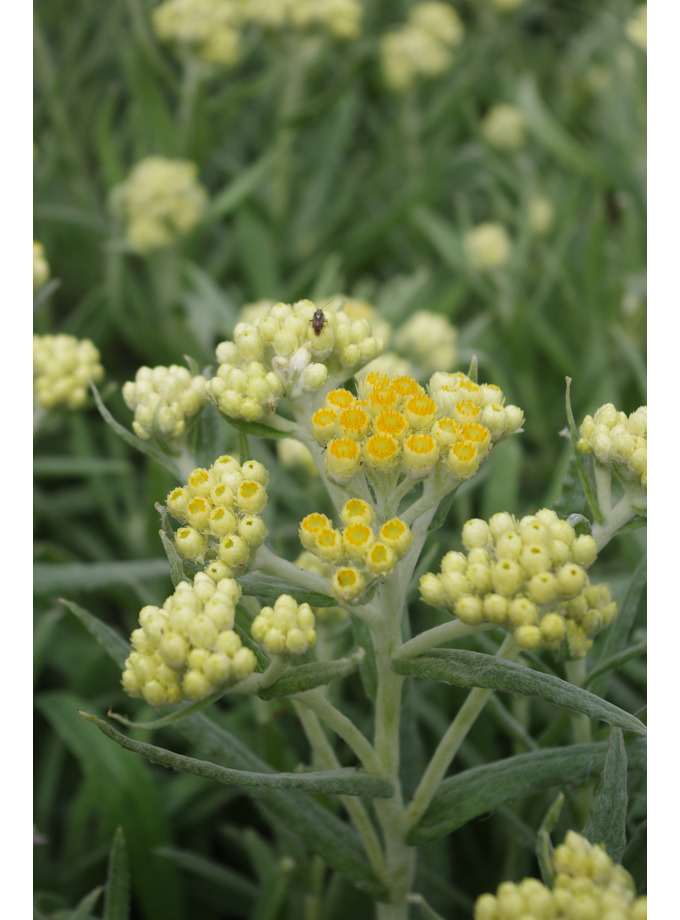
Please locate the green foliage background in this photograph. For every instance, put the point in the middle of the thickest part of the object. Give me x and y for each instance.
(321, 181)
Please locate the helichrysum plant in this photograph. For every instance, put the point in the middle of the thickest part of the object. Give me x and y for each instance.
(62, 369)
(249, 619)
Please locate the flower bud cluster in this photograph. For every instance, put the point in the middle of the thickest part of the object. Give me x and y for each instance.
(503, 127)
(41, 268)
(308, 562)
(188, 648)
(588, 884)
(342, 18)
(219, 509)
(618, 440)
(287, 628)
(160, 201)
(211, 29)
(487, 246)
(290, 351)
(429, 341)
(397, 424)
(62, 368)
(357, 554)
(421, 48)
(166, 400)
(528, 576)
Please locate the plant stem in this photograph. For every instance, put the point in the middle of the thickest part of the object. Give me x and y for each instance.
(445, 632)
(343, 727)
(451, 742)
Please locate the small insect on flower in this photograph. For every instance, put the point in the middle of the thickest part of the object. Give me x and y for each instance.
(318, 322)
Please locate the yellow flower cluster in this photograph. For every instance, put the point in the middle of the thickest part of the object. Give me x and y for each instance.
(188, 648)
(487, 246)
(421, 48)
(165, 399)
(429, 341)
(291, 351)
(588, 884)
(308, 562)
(503, 127)
(617, 440)
(160, 201)
(358, 555)
(62, 368)
(209, 28)
(287, 628)
(541, 215)
(397, 424)
(41, 268)
(636, 27)
(527, 575)
(219, 509)
(342, 18)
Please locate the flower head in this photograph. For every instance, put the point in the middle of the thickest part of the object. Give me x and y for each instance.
(421, 48)
(487, 246)
(166, 401)
(503, 127)
(62, 368)
(41, 268)
(529, 576)
(187, 649)
(287, 628)
(617, 440)
(159, 202)
(210, 29)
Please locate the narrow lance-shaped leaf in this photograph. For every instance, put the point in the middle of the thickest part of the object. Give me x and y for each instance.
(341, 782)
(606, 822)
(111, 641)
(117, 894)
(269, 587)
(50, 578)
(474, 792)
(314, 674)
(474, 669)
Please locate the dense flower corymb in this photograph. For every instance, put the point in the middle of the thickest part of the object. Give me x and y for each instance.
(211, 29)
(187, 648)
(588, 884)
(62, 368)
(287, 628)
(286, 352)
(166, 399)
(159, 202)
(617, 440)
(528, 576)
(421, 48)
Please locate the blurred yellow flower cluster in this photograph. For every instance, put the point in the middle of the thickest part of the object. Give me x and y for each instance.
(159, 202)
(421, 48)
(588, 884)
(342, 18)
(617, 440)
(503, 127)
(219, 509)
(527, 575)
(62, 368)
(358, 555)
(165, 399)
(487, 246)
(291, 350)
(395, 423)
(636, 27)
(209, 28)
(188, 649)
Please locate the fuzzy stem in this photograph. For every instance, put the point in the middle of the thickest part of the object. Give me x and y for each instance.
(326, 758)
(451, 742)
(619, 515)
(343, 727)
(445, 632)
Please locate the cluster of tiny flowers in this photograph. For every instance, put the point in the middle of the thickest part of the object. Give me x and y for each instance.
(219, 510)
(429, 341)
(357, 554)
(62, 368)
(188, 648)
(211, 29)
(487, 246)
(160, 201)
(541, 215)
(287, 628)
(308, 562)
(421, 48)
(41, 268)
(503, 127)
(588, 886)
(527, 575)
(290, 351)
(618, 440)
(636, 27)
(342, 18)
(164, 399)
(397, 424)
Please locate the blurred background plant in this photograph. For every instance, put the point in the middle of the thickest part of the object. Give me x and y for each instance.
(293, 160)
